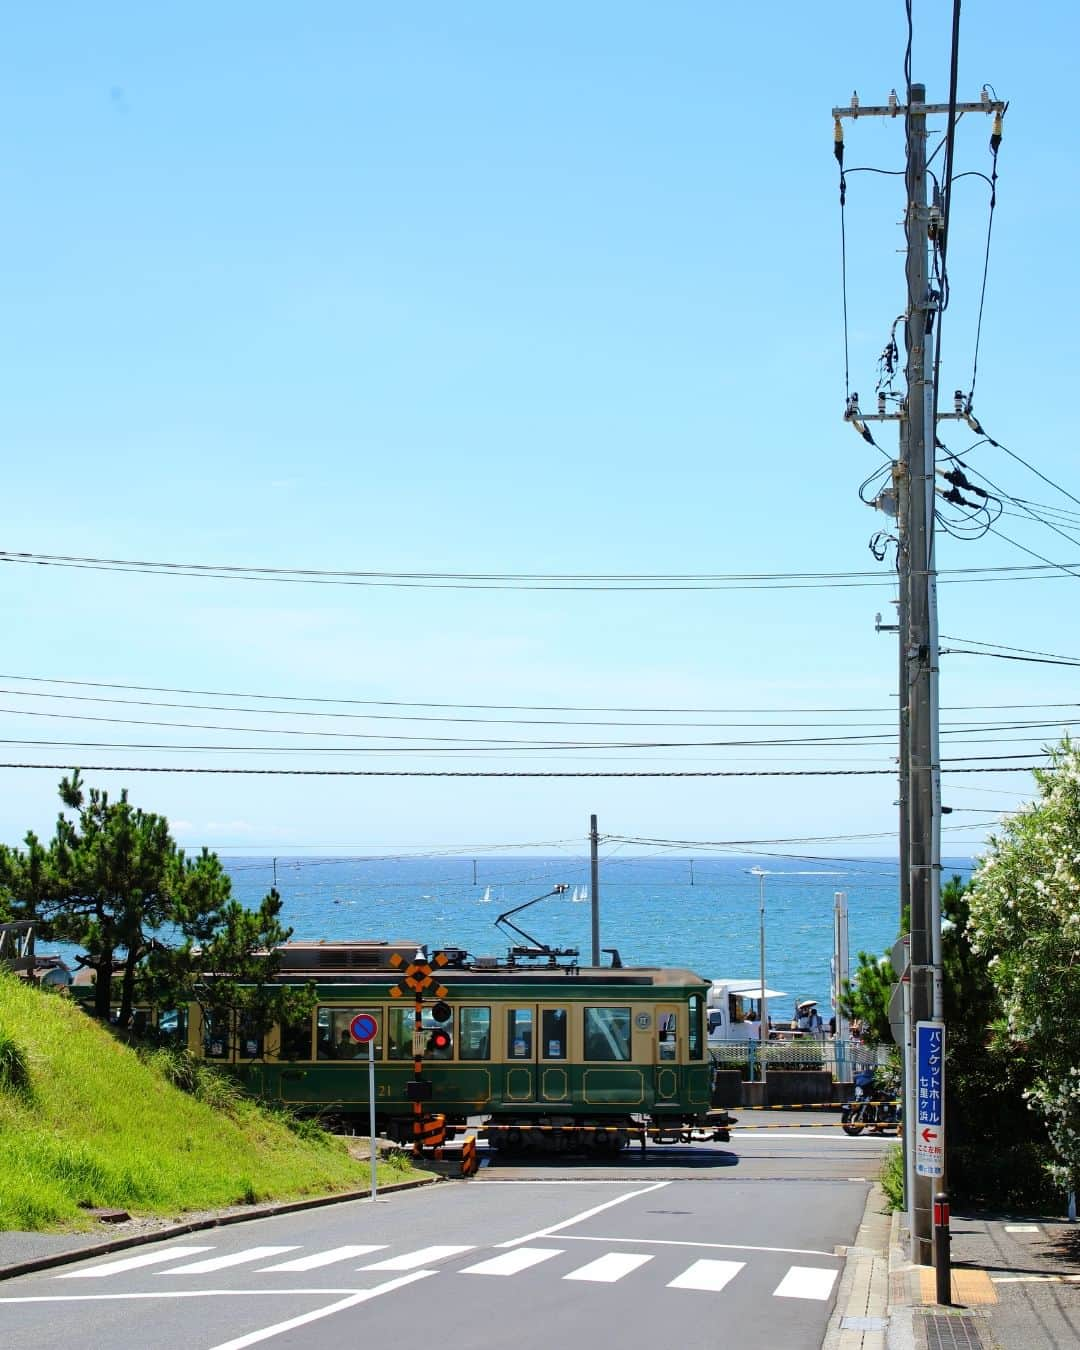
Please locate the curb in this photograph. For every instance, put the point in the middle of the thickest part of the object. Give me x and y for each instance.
(36, 1263)
(860, 1319)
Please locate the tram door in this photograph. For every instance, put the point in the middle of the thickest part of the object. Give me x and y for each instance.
(668, 1051)
(537, 1053)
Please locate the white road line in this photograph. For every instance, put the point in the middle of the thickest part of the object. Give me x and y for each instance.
(1021, 1228)
(711, 1246)
(708, 1275)
(326, 1258)
(1035, 1279)
(509, 1263)
(365, 1295)
(607, 1269)
(133, 1263)
(425, 1256)
(176, 1295)
(806, 1282)
(580, 1218)
(223, 1262)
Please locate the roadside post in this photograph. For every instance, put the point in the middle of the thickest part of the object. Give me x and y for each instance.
(942, 1249)
(363, 1029)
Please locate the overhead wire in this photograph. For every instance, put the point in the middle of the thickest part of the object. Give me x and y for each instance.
(505, 707)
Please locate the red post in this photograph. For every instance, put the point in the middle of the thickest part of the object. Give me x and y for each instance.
(942, 1249)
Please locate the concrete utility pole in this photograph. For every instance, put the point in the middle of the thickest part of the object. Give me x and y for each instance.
(920, 765)
(594, 887)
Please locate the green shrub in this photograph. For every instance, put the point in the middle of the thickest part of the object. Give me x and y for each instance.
(14, 1068)
(892, 1177)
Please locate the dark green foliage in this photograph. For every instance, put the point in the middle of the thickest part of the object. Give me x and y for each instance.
(997, 1146)
(200, 1080)
(866, 998)
(892, 1177)
(314, 1129)
(14, 1069)
(229, 974)
(113, 881)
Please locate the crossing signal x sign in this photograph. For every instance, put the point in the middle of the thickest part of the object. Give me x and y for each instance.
(419, 977)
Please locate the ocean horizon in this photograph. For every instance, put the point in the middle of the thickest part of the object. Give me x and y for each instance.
(701, 913)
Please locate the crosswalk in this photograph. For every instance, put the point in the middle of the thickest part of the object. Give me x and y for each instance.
(168, 1265)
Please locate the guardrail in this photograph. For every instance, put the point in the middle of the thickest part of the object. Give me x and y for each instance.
(842, 1058)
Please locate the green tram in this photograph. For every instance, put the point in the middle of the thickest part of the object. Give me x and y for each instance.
(596, 1055)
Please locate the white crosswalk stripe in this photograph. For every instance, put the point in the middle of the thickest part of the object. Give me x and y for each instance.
(510, 1263)
(806, 1282)
(707, 1275)
(607, 1269)
(324, 1258)
(412, 1260)
(152, 1258)
(222, 1262)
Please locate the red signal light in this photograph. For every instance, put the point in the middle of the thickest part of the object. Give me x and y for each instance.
(439, 1040)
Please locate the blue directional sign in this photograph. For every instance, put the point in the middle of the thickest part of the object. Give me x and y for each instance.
(930, 1099)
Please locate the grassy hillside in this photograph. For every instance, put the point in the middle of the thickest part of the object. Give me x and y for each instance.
(85, 1122)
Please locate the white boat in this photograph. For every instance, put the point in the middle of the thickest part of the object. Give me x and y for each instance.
(580, 893)
(485, 899)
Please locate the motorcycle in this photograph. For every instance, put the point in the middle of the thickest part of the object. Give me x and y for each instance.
(871, 1109)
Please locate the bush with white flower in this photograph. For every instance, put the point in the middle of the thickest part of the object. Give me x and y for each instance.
(1025, 922)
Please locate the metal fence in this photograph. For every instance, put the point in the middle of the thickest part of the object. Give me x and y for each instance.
(842, 1058)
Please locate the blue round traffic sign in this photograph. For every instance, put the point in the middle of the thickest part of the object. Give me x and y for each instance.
(363, 1027)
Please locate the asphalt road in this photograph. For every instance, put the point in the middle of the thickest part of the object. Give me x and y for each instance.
(707, 1244)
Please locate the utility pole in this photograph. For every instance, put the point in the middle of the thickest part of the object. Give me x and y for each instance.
(914, 477)
(594, 888)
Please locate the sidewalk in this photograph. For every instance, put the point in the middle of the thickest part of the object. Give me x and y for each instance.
(1015, 1286)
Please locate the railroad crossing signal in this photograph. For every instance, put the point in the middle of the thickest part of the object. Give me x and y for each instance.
(419, 977)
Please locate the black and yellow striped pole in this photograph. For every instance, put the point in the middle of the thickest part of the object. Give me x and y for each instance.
(418, 977)
(469, 1162)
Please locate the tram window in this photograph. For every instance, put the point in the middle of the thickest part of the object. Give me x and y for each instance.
(250, 1038)
(296, 1039)
(402, 1025)
(335, 1040)
(666, 1029)
(173, 1025)
(553, 1033)
(694, 1039)
(216, 1035)
(140, 1020)
(519, 1033)
(401, 1033)
(474, 1033)
(607, 1033)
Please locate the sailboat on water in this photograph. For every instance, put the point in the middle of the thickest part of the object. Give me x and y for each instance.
(581, 893)
(485, 899)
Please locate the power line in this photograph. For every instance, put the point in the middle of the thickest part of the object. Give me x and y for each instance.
(498, 707)
(703, 581)
(524, 773)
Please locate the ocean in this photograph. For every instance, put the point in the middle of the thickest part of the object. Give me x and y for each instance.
(701, 913)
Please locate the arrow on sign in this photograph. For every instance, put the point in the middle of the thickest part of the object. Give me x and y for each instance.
(928, 1135)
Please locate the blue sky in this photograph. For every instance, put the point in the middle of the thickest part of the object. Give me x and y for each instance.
(505, 289)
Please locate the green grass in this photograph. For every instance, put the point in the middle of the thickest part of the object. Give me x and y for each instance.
(892, 1177)
(87, 1122)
